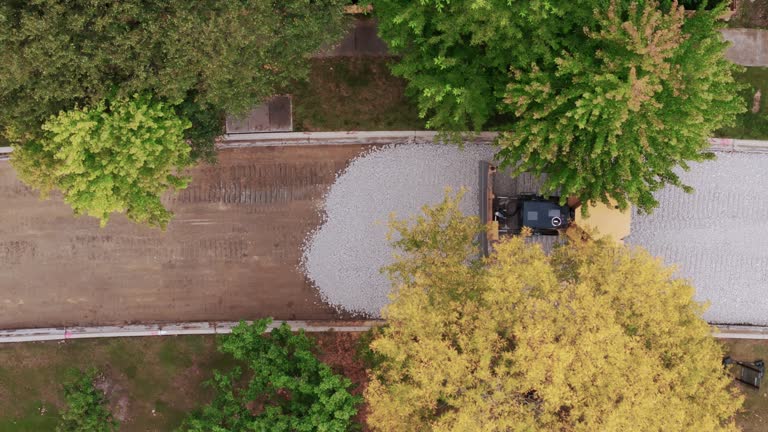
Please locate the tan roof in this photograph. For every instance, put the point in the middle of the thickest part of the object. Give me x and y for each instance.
(606, 220)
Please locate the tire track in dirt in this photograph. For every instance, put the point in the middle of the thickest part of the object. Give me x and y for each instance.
(120, 248)
(231, 251)
(17, 251)
(17, 189)
(261, 185)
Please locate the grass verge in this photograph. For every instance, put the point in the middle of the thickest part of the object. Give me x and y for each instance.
(345, 93)
(348, 93)
(153, 382)
(751, 125)
(754, 415)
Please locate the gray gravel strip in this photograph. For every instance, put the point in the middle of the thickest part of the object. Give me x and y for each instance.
(717, 236)
(344, 255)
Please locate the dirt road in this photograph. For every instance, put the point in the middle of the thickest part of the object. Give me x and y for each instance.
(231, 251)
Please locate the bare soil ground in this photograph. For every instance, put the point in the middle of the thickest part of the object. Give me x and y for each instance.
(754, 414)
(231, 252)
(339, 350)
(350, 93)
(749, 14)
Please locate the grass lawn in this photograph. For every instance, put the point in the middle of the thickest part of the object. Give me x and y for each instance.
(754, 417)
(164, 374)
(361, 94)
(141, 374)
(353, 94)
(749, 125)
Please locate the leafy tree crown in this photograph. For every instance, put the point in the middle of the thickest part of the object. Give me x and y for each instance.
(86, 409)
(596, 336)
(118, 156)
(288, 389)
(608, 97)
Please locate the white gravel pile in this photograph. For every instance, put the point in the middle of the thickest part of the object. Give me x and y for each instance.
(344, 255)
(717, 236)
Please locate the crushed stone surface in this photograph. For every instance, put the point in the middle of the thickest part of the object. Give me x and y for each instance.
(717, 236)
(343, 257)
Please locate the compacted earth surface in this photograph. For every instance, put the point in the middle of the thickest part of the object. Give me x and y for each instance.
(232, 250)
(754, 414)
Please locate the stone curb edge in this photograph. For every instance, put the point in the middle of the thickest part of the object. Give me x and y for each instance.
(726, 331)
(386, 137)
(282, 139)
(172, 329)
(738, 145)
(224, 327)
(270, 139)
(5, 152)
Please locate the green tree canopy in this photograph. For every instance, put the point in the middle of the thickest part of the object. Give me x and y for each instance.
(212, 55)
(118, 156)
(595, 337)
(606, 96)
(86, 409)
(616, 117)
(456, 55)
(287, 388)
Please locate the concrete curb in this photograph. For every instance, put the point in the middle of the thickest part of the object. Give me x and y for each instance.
(387, 137)
(273, 139)
(725, 331)
(175, 329)
(225, 327)
(334, 138)
(738, 145)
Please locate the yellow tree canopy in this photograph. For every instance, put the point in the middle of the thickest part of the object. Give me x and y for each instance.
(595, 337)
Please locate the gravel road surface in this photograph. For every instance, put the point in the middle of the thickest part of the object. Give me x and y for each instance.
(344, 256)
(717, 236)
